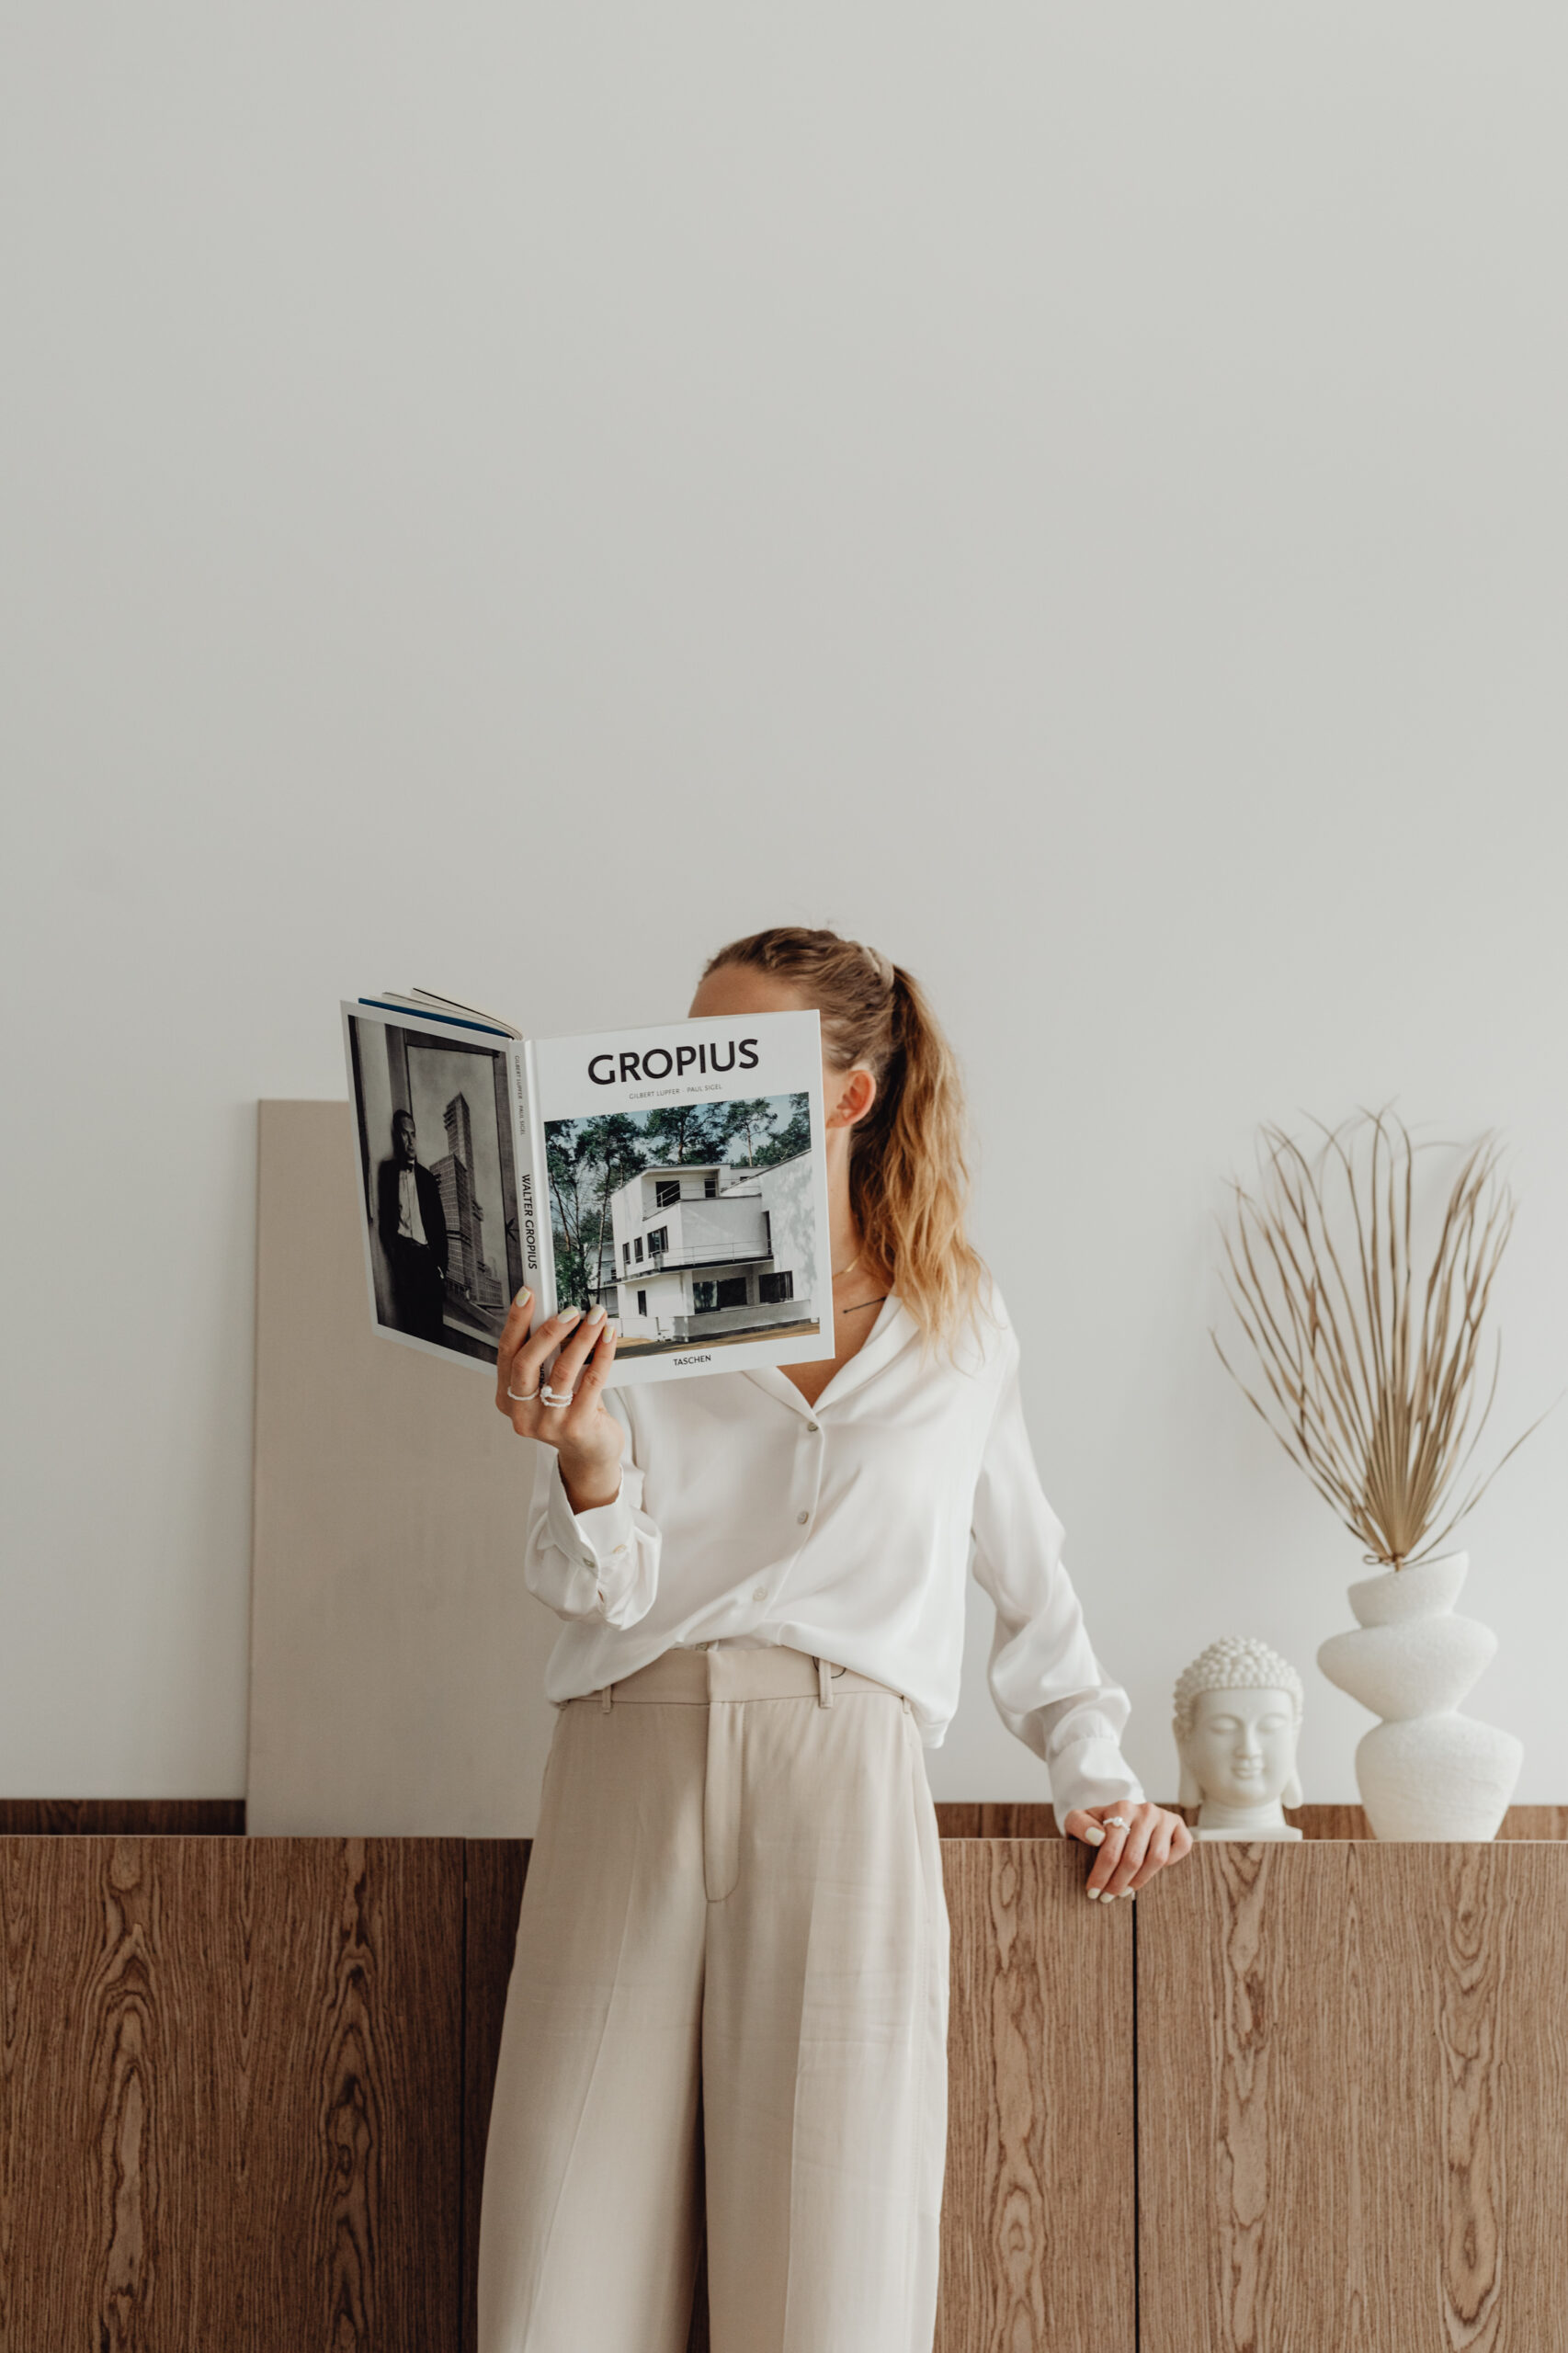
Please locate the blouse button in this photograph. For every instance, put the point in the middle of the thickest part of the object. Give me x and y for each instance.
(802, 1517)
(814, 1427)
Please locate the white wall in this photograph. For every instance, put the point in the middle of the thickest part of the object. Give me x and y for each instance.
(506, 499)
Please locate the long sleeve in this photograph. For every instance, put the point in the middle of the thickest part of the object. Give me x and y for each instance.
(601, 1564)
(1047, 1686)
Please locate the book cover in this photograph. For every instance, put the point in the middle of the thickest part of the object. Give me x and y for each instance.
(688, 1190)
(674, 1174)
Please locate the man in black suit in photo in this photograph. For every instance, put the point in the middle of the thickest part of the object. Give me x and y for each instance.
(413, 1227)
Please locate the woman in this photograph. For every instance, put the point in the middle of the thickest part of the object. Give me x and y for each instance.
(736, 1885)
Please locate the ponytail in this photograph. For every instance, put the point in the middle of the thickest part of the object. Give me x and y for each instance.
(909, 1180)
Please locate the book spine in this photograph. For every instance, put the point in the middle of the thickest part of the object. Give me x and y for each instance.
(533, 1187)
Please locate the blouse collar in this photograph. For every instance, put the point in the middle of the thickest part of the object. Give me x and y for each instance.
(893, 1330)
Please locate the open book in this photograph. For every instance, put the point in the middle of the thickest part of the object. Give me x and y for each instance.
(674, 1175)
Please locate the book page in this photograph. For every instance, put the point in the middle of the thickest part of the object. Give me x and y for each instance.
(438, 1184)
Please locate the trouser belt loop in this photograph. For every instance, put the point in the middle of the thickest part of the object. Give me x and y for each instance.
(825, 1684)
(604, 1698)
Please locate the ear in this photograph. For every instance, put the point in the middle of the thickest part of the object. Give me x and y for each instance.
(1291, 1793)
(855, 1092)
(1187, 1792)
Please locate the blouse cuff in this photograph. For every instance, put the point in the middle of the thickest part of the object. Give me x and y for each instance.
(1092, 1772)
(600, 1539)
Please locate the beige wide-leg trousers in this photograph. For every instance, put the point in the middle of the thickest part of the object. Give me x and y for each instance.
(736, 1889)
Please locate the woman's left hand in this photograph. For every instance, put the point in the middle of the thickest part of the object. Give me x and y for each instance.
(1129, 1859)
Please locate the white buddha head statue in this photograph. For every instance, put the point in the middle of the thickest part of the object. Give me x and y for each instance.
(1238, 1714)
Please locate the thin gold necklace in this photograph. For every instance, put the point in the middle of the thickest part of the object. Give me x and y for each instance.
(840, 1274)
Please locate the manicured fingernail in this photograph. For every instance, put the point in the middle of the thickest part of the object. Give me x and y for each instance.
(1093, 1895)
(568, 1315)
(1129, 1890)
(1095, 1835)
(597, 1316)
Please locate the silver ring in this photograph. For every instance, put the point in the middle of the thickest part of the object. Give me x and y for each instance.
(525, 1398)
(1108, 1820)
(556, 1397)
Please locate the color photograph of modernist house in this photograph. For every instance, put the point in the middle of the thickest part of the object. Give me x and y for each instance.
(692, 1223)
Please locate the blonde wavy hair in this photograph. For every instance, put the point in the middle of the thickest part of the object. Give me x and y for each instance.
(909, 1178)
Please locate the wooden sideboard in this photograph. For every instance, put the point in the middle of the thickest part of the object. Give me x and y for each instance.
(1294, 2097)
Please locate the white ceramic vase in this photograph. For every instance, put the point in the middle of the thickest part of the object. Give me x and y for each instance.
(1426, 1771)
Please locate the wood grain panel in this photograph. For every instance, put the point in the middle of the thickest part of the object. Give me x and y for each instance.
(1350, 1821)
(187, 1817)
(494, 1870)
(243, 2084)
(122, 1818)
(230, 2095)
(1010, 1820)
(1020, 1820)
(1353, 2071)
(1037, 2216)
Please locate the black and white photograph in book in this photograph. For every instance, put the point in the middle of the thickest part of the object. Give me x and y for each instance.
(691, 1223)
(440, 1188)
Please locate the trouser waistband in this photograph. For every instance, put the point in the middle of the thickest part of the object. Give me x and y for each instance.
(694, 1677)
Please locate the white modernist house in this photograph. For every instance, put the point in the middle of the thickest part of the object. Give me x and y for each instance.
(703, 1249)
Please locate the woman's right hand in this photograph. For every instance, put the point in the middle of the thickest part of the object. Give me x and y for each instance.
(585, 1434)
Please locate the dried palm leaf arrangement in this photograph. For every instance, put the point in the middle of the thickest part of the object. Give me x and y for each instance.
(1369, 1347)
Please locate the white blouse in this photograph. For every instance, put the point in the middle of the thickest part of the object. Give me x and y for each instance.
(843, 1530)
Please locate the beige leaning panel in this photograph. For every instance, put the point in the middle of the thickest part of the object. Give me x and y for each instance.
(397, 1660)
